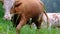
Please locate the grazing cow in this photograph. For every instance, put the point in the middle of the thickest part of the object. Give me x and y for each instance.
(24, 10)
(54, 20)
(7, 4)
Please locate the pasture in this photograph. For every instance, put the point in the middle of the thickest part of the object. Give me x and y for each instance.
(6, 27)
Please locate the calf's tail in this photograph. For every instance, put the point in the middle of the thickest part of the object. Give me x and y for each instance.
(47, 18)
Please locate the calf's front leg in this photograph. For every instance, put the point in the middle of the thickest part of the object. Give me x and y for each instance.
(22, 22)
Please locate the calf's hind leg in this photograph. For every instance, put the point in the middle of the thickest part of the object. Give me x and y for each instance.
(38, 21)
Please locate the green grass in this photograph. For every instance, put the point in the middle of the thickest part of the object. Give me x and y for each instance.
(6, 27)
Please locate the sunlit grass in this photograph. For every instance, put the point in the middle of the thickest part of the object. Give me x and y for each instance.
(6, 27)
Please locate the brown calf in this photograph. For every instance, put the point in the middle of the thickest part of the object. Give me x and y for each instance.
(27, 9)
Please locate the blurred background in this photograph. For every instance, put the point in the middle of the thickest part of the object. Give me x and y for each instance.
(52, 5)
(1, 10)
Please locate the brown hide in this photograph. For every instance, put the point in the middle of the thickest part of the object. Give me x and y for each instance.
(28, 9)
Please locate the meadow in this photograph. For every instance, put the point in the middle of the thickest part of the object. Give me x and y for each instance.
(6, 27)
